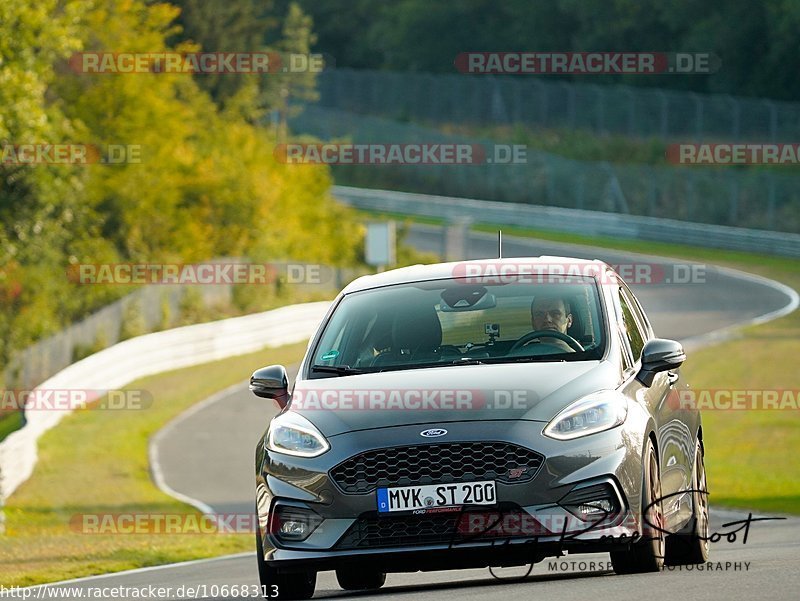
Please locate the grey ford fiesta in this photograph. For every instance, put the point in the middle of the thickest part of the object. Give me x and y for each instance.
(489, 413)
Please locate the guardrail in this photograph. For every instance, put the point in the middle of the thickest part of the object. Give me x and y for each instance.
(145, 355)
(578, 221)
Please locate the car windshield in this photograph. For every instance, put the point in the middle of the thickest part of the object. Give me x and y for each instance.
(450, 322)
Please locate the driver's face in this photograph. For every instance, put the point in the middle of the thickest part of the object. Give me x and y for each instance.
(550, 314)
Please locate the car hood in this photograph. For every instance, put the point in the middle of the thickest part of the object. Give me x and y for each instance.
(522, 391)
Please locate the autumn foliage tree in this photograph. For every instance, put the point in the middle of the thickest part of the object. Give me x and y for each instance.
(207, 184)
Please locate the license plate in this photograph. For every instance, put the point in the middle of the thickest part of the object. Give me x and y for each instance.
(408, 498)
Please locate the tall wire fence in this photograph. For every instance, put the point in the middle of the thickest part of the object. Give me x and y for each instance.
(603, 109)
(721, 196)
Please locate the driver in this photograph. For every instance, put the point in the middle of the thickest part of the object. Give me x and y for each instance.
(551, 312)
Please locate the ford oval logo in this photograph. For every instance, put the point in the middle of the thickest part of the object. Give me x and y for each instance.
(433, 432)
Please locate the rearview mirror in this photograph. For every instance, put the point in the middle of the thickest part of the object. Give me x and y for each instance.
(271, 383)
(466, 298)
(659, 354)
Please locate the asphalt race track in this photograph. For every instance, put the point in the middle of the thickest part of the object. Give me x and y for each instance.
(207, 455)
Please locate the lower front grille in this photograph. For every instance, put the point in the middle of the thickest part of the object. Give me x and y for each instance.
(374, 532)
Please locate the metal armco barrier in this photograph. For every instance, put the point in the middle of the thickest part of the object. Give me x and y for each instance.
(589, 223)
(145, 355)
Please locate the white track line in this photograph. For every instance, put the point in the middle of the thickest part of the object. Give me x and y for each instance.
(153, 453)
(727, 332)
(141, 570)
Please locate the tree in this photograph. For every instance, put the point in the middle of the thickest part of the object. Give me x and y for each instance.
(226, 26)
(284, 86)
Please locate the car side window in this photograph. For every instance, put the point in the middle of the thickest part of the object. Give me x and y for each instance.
(638, 313)
(632, 331)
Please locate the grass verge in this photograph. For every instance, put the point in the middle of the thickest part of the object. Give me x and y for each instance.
(96, 462)
(750, 455)
(10, 422)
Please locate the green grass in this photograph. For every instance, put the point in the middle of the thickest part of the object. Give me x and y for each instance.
(750, 455)
(9, 423)
(568, 143)
(97, 462)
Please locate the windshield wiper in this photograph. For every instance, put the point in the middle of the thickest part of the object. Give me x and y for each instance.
(551, 358)
(341, 370)
(470, 361)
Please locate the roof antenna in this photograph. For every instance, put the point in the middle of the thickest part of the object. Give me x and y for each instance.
(499, 244)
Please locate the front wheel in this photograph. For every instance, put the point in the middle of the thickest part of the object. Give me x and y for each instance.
(277, 585)
(691, 545)
(647, 555)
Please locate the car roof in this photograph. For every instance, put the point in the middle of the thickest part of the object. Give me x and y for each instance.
(488, 267)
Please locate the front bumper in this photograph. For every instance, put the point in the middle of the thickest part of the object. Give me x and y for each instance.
(528, 524)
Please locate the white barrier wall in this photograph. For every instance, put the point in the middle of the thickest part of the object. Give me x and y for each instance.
(131, 359)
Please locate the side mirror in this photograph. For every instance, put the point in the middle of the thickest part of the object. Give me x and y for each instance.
(659, 354)
(271, 383)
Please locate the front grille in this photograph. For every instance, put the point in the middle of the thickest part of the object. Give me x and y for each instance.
(373, 532)
(436, 464)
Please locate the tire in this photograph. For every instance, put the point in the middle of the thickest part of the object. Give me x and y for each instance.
(277, 585)
(690, 546)
(355, 580)
(646, 555)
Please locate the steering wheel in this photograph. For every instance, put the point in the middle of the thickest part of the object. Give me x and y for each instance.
(571, 342)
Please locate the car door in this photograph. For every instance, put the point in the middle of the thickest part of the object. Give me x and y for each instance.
(673, 435)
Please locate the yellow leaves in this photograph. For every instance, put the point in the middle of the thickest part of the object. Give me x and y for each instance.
(207, 185)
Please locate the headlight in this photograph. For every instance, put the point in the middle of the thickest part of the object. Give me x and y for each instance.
(292, 434)
(593, 413)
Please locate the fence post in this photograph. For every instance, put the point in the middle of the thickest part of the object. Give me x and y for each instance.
(497, 106)
(770, 201)
(542, 87)
(773, 120)
(570, 90)
(549, 181)
(698, 117)
(733, 214)
(735, 116)
(517, 104)
(689, 196)
(631, 113)
(580, 189)
(651, 193)
(454, 243)
(600, 108)
(664, 112)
